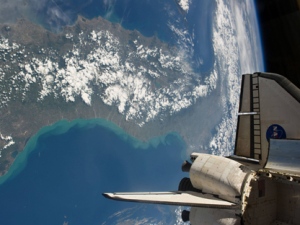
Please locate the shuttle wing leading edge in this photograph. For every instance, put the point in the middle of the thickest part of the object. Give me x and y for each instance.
(189, 198)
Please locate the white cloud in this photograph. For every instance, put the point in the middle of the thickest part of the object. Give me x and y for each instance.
(184, 4)
(134, 216)
(126, 82)
(233, 47)
(227, 64)
(178, 212)
(8, 142)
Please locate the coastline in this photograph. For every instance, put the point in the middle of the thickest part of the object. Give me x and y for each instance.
(63, 126)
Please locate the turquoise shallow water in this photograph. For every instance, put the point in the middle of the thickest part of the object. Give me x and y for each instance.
(65, 168)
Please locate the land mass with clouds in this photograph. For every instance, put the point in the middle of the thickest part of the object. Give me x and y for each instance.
(95, 69)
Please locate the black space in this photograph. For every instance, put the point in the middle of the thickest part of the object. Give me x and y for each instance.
(279, 22)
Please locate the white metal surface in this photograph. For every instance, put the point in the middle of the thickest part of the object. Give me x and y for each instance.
(173, 198)
(277, 106)
(284, 156)
(218, 175)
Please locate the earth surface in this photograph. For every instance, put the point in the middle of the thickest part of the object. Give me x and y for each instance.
(110, 95)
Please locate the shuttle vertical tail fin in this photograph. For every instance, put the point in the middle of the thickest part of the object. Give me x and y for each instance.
(269, 108)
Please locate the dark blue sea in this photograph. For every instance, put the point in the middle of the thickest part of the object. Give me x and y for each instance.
(70, 165)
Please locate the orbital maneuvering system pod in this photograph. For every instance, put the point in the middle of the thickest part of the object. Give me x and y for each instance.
(260, 182)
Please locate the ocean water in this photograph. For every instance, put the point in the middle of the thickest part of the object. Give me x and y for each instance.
(202, 15)
(65, 168)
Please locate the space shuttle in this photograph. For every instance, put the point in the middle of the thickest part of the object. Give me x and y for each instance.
(260, 182)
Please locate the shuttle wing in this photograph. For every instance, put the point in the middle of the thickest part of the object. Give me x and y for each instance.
(189, 198)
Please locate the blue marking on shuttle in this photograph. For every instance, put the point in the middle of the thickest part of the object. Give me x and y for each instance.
(275, 131)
